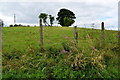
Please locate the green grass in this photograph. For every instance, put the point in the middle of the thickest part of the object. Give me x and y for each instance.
(22, 57)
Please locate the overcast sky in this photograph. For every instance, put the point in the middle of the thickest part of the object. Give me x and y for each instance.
(86, 11)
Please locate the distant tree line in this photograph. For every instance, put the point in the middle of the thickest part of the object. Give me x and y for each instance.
(20, 25)
(65, 18)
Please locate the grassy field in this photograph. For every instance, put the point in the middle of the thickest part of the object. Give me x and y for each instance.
(60, 58)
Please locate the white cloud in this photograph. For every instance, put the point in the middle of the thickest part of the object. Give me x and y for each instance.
(7, 20)
(88, 1)
(86, 11)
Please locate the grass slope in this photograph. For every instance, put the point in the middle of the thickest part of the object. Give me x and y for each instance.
(22, 58)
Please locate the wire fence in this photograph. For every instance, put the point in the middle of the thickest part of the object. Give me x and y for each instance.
(55, 36)
(91, 36)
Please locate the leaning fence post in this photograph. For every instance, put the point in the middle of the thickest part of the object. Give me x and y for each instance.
(102, 35)
(75, 34)
(41, 33)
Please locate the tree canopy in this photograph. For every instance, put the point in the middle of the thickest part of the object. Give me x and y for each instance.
(51, 19)
(43, 16)
(65, 17)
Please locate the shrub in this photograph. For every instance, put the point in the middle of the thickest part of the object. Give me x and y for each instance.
(53, 51)
(98, 44)
(79, 61)
(70, 46)
(11, 25)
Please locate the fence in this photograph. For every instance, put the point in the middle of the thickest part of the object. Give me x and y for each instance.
(103, 35)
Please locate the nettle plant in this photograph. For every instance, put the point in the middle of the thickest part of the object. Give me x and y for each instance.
(94, 60)
(78, 60)
(69, 46)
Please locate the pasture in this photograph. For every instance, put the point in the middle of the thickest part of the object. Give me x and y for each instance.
(23, 58)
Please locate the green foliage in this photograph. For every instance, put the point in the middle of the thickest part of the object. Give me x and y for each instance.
(22, 57)
(16, 25)
(43, 16)
(51, 19)
(53, 51)
(68, 21)
(65, 17)
(11, 25)
(66, 46)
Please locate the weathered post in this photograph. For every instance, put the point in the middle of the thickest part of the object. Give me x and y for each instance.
(41, 33)
(102, 35)
(118, 38)
(1, 25)
(75, 34)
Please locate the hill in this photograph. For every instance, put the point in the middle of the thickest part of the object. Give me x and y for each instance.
(60, 57)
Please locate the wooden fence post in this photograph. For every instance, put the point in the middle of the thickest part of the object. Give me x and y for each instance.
(75, 34)
(102, 35)
(41, 33)
(119, 39)
(1, 25)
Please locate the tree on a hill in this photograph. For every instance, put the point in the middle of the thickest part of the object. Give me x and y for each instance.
(16, 25)
(51, 19)
(11, 25)
(43, 16)
(65, 17)
(68, 21)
